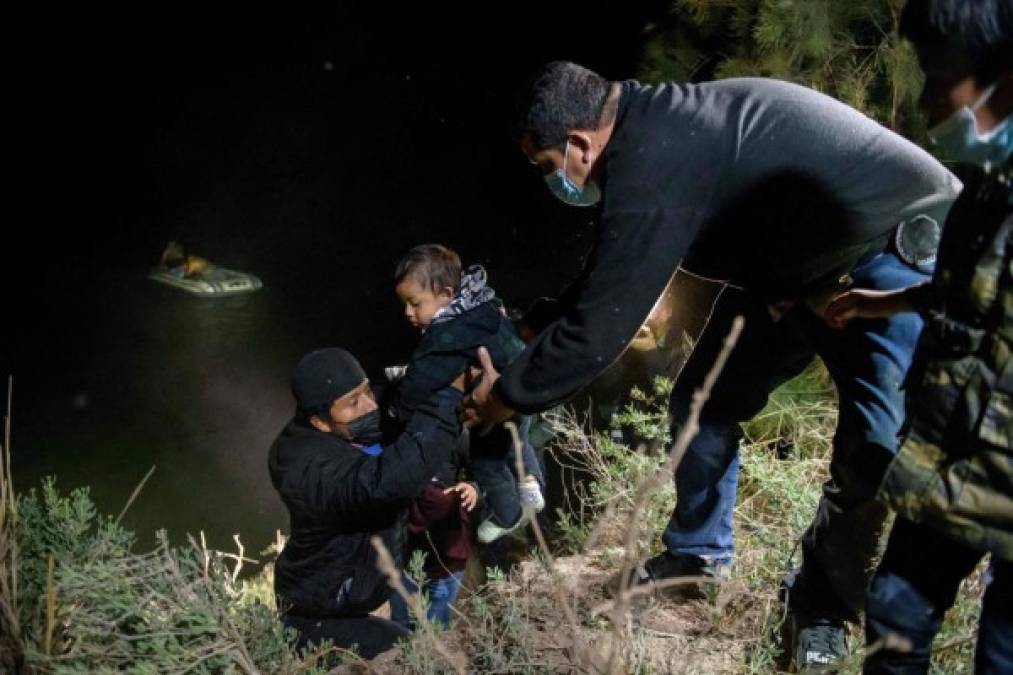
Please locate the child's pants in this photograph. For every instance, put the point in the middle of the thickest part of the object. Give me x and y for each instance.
(492, 464)
(914, 586)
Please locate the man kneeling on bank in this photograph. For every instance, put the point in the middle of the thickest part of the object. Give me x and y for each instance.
(342, 486)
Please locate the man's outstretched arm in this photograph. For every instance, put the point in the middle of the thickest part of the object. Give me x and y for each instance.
(636, 255)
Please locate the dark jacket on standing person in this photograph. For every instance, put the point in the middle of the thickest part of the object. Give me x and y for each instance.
(954, 471)
(766, 184)
(339, 497)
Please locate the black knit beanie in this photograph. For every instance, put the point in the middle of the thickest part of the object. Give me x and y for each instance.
(323, 376)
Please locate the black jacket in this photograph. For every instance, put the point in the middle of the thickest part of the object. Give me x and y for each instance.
(448, 347)
(762, 183)
(338, 497)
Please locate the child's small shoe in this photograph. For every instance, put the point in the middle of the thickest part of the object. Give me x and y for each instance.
(530, 493)
(395, 373)
(489, 531)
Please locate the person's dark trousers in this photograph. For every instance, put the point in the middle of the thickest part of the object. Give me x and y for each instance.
(492, 463)
(370, 635)
(868, 361)
(915, 584)
(441, 594)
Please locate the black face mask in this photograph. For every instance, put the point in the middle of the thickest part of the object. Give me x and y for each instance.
(365, 429)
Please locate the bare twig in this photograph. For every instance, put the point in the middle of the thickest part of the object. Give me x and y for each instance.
(648, 589)
(386, 564)
(315, 657)
(11, 645)
(50, 607)
(237, 649)
(238, 558)
(949, 644)
(559, 585)
(137, 491)
(651, 485)
(10, 503)
(892, 642)
(205, 554)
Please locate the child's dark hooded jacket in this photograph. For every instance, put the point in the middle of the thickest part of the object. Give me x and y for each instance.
(450, 344)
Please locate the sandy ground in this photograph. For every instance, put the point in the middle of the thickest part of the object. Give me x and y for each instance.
(667, 635)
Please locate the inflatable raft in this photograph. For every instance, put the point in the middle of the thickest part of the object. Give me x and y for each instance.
(214, 282)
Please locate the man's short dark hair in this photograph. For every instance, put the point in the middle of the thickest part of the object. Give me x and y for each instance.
(562, 96)
(978, 32)
(434, 266)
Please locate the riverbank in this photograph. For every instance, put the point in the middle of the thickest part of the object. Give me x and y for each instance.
(79, 599)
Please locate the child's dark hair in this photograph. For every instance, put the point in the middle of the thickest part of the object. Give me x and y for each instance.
(432, 265)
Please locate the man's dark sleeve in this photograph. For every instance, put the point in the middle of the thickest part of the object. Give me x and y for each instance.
(636, 254)
(544, 311)
(336, 487)
(922, 297)
(426, 375)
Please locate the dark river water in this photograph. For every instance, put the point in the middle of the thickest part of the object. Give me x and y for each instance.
(310, 149)
(116, 373)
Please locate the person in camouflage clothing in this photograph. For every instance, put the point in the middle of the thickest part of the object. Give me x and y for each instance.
(952, 481)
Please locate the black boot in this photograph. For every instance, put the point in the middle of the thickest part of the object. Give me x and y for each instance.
(677, 576)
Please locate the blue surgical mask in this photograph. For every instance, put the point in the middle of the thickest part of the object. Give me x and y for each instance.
(957, 137)
(567, 191)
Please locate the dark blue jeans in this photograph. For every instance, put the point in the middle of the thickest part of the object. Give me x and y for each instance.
(868, 361)
(492, 462)
(441, 594)
(914, 586)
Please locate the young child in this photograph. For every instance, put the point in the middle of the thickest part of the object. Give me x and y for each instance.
(456, 314)
(951, 482)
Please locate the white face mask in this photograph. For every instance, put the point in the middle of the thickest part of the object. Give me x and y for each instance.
(958, 139)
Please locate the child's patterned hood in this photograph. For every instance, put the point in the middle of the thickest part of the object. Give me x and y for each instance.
(474, 292)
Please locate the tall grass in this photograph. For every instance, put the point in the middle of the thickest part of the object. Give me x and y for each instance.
(77, 597)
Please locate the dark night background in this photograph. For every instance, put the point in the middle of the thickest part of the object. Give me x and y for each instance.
(228, 130)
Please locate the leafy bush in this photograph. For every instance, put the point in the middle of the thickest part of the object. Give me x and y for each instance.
(88, 603)
(849, 50)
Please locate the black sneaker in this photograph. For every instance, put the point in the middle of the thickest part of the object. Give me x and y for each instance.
(819, 643)
(666, 566)
(812, 643)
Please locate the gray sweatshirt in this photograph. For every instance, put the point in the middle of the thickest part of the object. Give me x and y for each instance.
(767, 184)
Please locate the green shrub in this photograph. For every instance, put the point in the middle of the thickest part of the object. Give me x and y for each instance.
(849, 50)
(105, 608)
